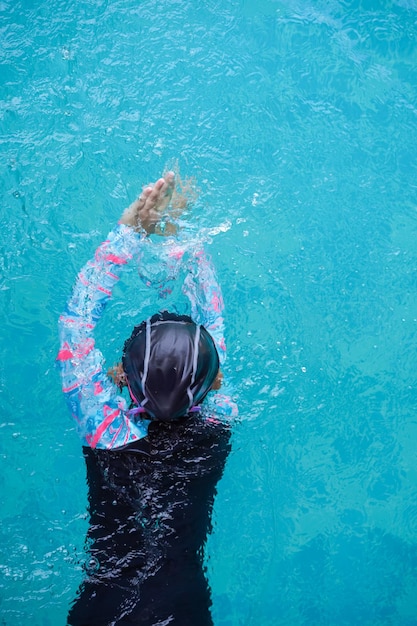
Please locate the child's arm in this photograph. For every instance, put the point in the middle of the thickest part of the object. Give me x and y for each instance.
(98, 410)
(205, 295)
(94, 402)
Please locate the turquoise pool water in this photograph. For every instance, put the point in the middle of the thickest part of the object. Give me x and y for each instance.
(298, 119)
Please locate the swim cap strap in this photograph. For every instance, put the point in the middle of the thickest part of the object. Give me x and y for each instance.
(146, 359)
(195, 361)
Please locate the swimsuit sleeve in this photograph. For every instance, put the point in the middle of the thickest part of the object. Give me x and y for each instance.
(94, 402)
(205, 295)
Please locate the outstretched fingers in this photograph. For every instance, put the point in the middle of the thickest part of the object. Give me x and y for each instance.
(149, 208)
(155, 195)
(154, 200)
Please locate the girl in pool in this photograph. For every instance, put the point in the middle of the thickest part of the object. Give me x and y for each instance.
(153, 462)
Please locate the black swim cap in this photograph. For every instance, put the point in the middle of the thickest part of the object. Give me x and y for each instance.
(170, 363)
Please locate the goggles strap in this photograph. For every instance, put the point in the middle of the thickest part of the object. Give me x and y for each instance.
(195, 360)
(146, 360)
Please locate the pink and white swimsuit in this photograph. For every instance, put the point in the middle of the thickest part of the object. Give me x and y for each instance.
(99, 410)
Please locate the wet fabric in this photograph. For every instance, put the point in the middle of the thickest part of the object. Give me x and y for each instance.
(150, 507)
(100, 412)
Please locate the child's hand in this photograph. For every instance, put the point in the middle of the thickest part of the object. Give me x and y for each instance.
(149, 209)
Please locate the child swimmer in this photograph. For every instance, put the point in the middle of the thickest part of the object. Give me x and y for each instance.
(152, 464)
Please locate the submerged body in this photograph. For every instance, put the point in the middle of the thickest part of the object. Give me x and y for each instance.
(150, 509)
(151, 483)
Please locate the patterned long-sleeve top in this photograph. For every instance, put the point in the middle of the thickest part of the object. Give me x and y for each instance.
(100, 412)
